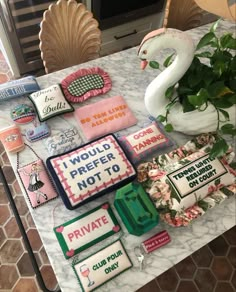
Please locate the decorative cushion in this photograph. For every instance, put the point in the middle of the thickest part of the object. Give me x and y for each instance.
(50, 102)
(91, 170)
(106, 116)
(176, 184)
(19, 87)
(63, 141)
(85, 83)
(102, 266)
(86, 230)
(145, 141)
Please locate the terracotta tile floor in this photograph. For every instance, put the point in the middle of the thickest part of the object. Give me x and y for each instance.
(210, 269)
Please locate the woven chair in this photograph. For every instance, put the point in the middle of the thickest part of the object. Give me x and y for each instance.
(182, 14)
(69, 35)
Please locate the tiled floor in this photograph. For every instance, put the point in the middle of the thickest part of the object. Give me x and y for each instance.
(210, 269)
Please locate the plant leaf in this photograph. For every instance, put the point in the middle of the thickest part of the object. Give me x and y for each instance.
(228, 42)
(219, 148)
(215, 25)
(169, 92)
(203, 55)
(184, 90)
(218, 89)
(232, 99)
(161, 118)
(194, 79)
(228, 129)
(232, 82)
(187, 106)
(168, 60)
(221, 103)
(169, 128)
(154, 64)
(205, 40)
(224, 113)
(200, 98)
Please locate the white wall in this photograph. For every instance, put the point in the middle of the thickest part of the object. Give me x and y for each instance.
(8, 53)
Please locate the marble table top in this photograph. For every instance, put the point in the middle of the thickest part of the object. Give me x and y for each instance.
(130, 82)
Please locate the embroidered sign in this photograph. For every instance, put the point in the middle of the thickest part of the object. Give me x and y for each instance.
(89, 171)
(86, 230)
(102, 266)
(145, 141)
(103, 117)
(50, 102)
(193, 180)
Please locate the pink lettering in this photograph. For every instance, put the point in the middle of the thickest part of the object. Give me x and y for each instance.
(104, 219)
(70, 236)
(77, 233)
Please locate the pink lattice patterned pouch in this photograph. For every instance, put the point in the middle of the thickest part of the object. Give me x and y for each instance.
(85, 83)
(104, 117)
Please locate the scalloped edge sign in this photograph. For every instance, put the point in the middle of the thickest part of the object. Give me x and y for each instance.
(86, 230)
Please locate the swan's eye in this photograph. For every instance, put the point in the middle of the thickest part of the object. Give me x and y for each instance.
(145, 52)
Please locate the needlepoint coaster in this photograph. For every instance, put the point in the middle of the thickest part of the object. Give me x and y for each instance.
(86, 230)
(23, 114)
(102, 266)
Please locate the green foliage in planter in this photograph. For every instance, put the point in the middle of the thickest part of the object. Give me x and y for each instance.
(213, 82)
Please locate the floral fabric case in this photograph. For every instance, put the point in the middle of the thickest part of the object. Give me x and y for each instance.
(186, 182)
(63, 141)
(37, 183)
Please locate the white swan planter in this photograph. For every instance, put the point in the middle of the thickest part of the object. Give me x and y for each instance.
(191, 123)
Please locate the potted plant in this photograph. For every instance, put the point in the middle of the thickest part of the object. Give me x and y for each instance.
(211, 79)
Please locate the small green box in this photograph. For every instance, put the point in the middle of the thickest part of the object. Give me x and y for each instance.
(136, 209)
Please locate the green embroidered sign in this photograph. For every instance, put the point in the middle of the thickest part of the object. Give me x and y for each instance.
(86, 230)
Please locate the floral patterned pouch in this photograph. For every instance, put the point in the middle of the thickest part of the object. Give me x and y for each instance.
(184, 177)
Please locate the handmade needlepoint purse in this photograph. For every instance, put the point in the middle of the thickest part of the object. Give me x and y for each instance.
(91, 170)
(186, 182)
(36, 181)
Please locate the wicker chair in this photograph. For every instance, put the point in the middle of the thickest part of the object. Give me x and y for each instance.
(69, 35)
(182, 14)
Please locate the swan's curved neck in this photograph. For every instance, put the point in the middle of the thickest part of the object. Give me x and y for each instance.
(184, 47)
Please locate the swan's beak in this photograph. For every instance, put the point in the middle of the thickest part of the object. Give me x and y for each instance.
(143, 64)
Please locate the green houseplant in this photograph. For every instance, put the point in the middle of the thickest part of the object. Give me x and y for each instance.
(211, 78)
